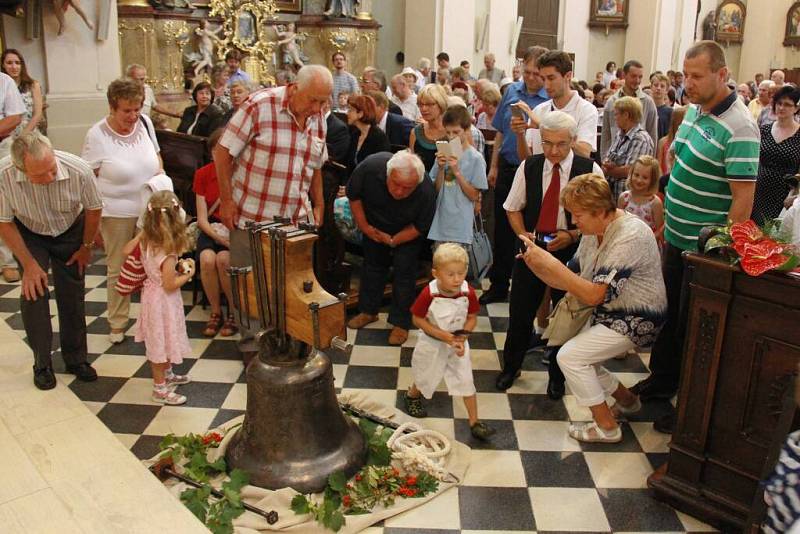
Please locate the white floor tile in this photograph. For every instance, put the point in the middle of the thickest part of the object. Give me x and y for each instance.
(499, 340)
(497, 309)
(501, 469)
(119, 365)
(650, 439)
(97, 343)
(439, 513)
(490, 406)
(618, 469)
(237, 398)
(694, 525)
(568, 509)
(486, 360)
(129, 440)
(576, 413)
(180, 420)
(544, 436)
(135, 391)
(375, 356)
(208, 370)
(94, 407)
(530, 382)
(339, 372)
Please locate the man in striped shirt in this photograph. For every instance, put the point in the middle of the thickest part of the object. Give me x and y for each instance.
(49, 214)
(712, 181)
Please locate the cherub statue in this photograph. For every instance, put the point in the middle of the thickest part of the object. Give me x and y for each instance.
(292, 54)
(205, 46)
(61, 7)
(345, 8)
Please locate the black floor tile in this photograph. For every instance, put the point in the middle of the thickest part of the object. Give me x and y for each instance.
(499, 324)
(657, 459)
(482, 341)
(510, 508)
(194, 329)
(396, 530)
(406, 354)
(96, 309)
(184, 368)
(373, 336)
(556, 469)
(651, 411)
(222, 349)
(484, 381)
(98, 326)
(223, 416)
(146, 447)
(128, 346)
(9, 305)
(127, 418)
(630, 364)
(362, 376)
(504, 439)
(537, 407)
(637, 510)
(101, 390)
(205, 394)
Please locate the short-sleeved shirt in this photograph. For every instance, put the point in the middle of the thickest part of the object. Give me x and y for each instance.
(344, 82)
(239, 75)
(11, 102)
(454, 211)
(635, 303)
(124, 164)
(149, 100)
(664, 118)
(274, 159)
(494, 75)
(711, 150)
(48, 209)
(502, 118)
(425, 298)
(386, 213)
(584, 113)
(207, 186)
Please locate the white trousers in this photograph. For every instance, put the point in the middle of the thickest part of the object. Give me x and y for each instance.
(580, 360)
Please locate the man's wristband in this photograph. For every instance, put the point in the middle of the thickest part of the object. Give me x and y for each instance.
(88, 246)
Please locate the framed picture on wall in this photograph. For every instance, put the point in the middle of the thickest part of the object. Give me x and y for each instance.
(289, 6)
(792, 35)
(609, 13)
(730, 21)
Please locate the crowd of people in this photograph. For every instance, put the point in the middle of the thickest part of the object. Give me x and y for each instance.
(597, 190)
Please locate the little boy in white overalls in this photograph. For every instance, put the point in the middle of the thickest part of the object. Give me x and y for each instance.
(445, 312)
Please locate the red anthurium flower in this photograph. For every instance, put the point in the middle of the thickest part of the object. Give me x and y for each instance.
(347, 500)
(763, 247)
(762, 257)
(747, 231)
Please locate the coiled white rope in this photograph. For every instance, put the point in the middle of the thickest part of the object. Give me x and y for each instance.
(420, 449)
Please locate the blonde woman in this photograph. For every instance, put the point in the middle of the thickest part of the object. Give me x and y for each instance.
(432, 103)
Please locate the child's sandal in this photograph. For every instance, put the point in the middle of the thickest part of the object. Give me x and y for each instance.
(168, 397)
(213, 324)
(414, 406)
(229, 328)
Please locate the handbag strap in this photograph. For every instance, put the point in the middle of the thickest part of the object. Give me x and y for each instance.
(477, 223)
(214, 206)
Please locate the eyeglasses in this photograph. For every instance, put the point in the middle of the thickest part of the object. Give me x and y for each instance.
(550, 145)
(425, 104)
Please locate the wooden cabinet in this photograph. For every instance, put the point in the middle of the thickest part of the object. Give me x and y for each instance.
(741, 353)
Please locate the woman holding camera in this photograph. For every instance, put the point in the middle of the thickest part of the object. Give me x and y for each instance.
(780, 155)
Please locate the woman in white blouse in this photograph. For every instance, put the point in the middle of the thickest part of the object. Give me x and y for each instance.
(123, 151)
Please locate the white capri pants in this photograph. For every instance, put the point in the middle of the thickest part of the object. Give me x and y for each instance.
(580, 360)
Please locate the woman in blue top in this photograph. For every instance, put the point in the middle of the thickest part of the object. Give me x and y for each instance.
(459, 182)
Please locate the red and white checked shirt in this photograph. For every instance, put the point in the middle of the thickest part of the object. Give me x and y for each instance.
(274, 159)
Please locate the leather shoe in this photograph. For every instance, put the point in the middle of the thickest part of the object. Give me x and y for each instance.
(11, 274)
(555, 389)
(650, 389)
(44, 378)
(398, 336)
(665, 424)
(506, 380)
(83, 371)
(490, 295)
(361, 320)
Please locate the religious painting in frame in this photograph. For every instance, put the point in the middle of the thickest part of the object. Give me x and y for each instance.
(289, 6)
(792, 36)
(730, 21)
(609, 13)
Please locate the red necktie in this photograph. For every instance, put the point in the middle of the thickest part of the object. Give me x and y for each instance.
(548, 214)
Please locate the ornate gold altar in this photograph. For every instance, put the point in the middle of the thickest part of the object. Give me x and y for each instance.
(160, 37)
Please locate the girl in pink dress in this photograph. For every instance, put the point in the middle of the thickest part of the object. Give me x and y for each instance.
(161, 323)
(641, 198)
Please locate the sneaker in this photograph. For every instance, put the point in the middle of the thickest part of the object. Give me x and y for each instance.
(178, 380)
(481, 431)
(83, 371)
(116, 337)
(167, 396)
(414, 406)
(361, 320)
(44, 378)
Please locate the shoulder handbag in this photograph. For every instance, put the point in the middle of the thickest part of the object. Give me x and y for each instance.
(480, 251)
(567, 320)
(345, 222)
(131, 274)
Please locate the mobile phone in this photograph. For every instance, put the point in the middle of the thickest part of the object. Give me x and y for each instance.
(443, 147)
(461, 333)
(517, 111)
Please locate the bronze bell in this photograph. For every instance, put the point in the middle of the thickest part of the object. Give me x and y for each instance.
(294, 433)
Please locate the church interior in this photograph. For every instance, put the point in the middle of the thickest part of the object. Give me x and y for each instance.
(313, 430)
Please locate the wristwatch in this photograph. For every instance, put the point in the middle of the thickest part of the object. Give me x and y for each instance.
(89, 245)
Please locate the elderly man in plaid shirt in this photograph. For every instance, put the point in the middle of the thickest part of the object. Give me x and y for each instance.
(268, 163)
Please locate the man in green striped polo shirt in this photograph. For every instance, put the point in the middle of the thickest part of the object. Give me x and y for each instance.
(712, 181)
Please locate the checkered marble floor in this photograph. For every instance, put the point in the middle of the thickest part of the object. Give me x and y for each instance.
(530, 477)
